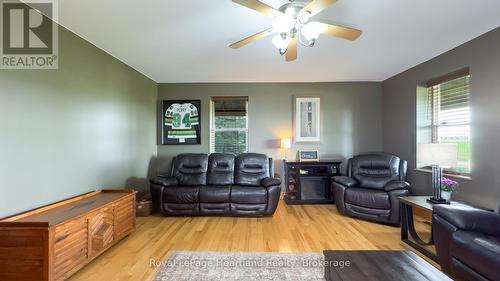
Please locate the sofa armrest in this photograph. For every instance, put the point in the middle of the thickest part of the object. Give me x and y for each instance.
(157, 197)
(345, 181)
(273, 198)
(470, 218)
(165, 181)
(394, 185)
(268, 182)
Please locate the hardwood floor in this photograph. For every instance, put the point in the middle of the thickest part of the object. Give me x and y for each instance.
(308, 228)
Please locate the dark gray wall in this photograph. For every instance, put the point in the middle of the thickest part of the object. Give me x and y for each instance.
(482, 55)
(88, 125)
(350, 113)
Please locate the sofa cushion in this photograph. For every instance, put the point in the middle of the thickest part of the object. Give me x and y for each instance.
(181, 194)
(248, 209)
(375, 170)
(380, 215)
(215, 194)
(191, 169)
(173, 209)
(248, 194)
(478, 251)
(215, 209)
(250, 169)
(369, 198)
(220, 169)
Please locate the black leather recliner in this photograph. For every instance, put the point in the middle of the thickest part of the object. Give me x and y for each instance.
(371, 187)
(217, 185)
(467, 242)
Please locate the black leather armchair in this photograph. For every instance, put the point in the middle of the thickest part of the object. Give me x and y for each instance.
(371, 187)
(467, 242)
(219, 184)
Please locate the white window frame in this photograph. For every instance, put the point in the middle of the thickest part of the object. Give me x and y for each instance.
(213, 129)
(434, 127)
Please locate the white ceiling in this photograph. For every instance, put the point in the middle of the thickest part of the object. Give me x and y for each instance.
(187, 40)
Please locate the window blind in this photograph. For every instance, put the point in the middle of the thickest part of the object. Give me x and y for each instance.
(447, 116)
(229, 125)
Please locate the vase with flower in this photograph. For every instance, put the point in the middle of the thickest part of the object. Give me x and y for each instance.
(448, 186)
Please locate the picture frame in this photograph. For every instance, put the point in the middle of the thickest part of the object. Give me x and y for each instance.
(180, 122)
(308, 156)
(307, 119)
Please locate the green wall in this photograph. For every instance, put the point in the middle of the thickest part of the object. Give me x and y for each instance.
(350, 113)
(88, 125)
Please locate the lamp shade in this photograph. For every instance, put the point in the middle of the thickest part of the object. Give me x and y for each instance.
(286, 143)
(440, 154)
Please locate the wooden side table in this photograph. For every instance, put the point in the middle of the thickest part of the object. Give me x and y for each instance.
(408, 226)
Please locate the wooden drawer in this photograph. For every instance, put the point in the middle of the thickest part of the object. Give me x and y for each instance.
(70, 247)
(124, 212)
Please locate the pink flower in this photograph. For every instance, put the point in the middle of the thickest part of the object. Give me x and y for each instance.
(450, 182)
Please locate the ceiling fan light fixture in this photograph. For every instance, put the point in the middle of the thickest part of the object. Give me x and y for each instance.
(304, 17)
(283, 23)
(311, 31)
(292, 25)
(281, 42)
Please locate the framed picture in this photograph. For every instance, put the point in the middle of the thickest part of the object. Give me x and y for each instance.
(307, 120)
(308, 156)
(181, 122)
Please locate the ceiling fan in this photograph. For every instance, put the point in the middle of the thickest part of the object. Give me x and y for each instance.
(293, 25)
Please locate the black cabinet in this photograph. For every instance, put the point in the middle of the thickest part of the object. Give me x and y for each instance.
(309, 182)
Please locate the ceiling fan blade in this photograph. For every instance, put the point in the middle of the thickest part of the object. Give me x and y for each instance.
(256, 5)
(251, 39)
(317, 6)
(291, 52)
(339, 31)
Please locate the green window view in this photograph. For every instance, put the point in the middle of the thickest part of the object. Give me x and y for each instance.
(229, 125)
(443, 116)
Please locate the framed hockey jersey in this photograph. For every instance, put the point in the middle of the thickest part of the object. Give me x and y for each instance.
(181, 122)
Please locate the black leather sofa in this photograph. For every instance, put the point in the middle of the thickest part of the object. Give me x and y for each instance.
(467, 242)
(371, 188)
(217, 185)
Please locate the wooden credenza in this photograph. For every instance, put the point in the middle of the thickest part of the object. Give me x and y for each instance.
(53, 242)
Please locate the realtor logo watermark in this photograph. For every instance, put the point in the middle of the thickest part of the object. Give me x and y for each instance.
(29, 34)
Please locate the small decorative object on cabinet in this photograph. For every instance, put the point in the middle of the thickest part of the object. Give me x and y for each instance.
(308, 156)
(53, 242)
(309, 182)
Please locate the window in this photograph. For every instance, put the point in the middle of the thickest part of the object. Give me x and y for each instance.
(229, 125)
(443, 115)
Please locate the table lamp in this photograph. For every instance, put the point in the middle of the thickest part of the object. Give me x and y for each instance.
(286, 144)
(439, 156)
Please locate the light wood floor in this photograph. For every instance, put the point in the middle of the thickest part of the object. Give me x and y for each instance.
(311, 228)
